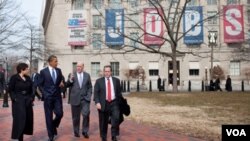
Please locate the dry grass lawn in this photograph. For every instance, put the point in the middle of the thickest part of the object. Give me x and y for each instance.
(194, 114)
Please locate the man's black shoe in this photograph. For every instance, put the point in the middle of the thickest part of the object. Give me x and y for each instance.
(104, 139)
(85, 134)
(114, 138)
(51, 139)
(77, 135)
(55, 131)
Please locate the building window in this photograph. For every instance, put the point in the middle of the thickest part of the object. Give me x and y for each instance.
(115, 68)
(153, 2)
(115, 3)
(133, 3)
(78, 4)
(174, 2)
(211, 2)
(233, 1)
(97, 4)
(95, 69)
(192, 3)
(171, 71)
(97, 21)
(194, 68)
(153, 68)
(212, 19)
(235, 68)
(132, 69)
(135, 37)
(97, 41)
(77, 47)
(153, 72)
(194, 72)
(248, 16)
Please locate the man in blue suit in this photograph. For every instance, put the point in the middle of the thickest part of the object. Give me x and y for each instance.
(50, 82)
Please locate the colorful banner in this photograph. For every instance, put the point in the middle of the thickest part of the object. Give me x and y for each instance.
(192, 25)
(114, 27)
(77, 26)
(233, 23)
(153, 27)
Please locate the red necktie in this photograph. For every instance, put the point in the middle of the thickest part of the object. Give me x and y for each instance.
(109, 91)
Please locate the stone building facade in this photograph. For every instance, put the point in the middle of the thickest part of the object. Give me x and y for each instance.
(61, 31)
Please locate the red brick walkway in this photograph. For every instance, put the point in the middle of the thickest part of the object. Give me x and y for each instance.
(130, 131)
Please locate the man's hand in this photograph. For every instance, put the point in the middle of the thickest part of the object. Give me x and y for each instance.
(71, 76)
(98, 106)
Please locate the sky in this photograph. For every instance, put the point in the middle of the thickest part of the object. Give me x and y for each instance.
(32, 8)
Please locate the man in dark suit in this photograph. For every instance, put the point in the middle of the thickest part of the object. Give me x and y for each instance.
(50, 81)
(107, 93)
(81, 92)
(34, 78)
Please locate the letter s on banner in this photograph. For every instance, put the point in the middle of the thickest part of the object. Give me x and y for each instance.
(233, 23)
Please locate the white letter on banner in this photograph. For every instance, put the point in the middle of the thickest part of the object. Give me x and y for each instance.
(191, 19)
(233, 21)
(114, 33)
(153, 23)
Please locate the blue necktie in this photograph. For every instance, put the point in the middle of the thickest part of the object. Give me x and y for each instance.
(54, 75)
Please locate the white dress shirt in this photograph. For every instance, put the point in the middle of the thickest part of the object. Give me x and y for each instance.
(112, 88)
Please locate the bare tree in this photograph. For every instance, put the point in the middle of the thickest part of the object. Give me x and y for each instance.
(33, 43)
(9, 17)
(169, 12)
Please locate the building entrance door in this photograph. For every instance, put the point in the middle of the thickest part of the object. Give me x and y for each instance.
(170, 73)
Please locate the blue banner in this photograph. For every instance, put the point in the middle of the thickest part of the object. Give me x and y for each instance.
(193, 25)
(114, 30)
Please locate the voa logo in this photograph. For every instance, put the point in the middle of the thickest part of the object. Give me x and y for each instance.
(236, 132)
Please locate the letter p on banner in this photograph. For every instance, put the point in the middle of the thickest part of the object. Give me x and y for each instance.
(235, 132)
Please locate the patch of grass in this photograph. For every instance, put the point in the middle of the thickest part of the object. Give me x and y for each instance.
(209, 110)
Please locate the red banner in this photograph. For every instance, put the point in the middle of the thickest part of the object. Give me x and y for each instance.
(233, 23)
(153, 27)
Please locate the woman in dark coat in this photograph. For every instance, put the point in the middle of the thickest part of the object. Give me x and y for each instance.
(228, 84)
(22, 97)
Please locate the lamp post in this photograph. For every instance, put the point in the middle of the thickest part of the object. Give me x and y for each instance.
(5, 96)
(212, 38)
(206, 81)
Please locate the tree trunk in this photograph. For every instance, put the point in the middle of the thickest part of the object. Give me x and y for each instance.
(175, 86)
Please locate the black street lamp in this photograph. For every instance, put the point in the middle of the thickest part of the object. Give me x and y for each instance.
(206, 80)
(6, 96)
(212, 38)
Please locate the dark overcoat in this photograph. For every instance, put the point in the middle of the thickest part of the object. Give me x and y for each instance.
(22, 96)
(2, 82)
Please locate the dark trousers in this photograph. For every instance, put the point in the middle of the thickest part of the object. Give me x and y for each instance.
(77, 110)
(111, 112)
(53, 105)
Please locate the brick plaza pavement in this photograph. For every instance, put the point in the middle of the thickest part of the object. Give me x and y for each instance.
(130, 131)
